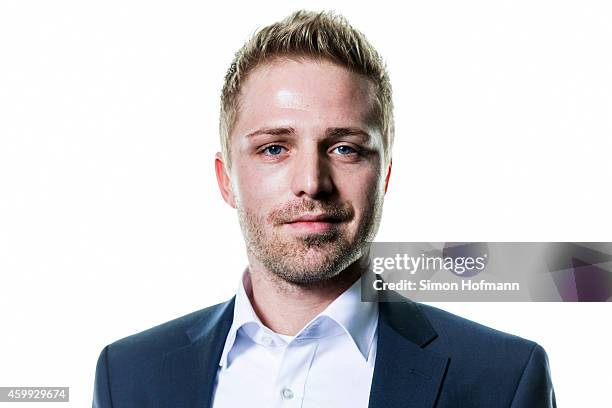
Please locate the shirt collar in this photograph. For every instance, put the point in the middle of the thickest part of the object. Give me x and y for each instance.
(346, 314)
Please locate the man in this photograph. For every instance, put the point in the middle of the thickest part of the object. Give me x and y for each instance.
(306, 135)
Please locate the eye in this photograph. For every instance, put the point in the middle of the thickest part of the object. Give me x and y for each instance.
(345, 150)
(273, 150)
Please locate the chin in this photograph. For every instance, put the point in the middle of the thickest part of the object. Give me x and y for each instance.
(308, 278)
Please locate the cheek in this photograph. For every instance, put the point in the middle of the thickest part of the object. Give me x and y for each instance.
(256, 190)
(361, 189)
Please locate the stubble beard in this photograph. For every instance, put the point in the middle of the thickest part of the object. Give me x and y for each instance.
(309, 259)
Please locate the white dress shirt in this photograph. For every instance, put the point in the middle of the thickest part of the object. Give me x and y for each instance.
(329, 363)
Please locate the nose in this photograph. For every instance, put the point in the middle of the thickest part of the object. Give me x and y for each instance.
(311, 174)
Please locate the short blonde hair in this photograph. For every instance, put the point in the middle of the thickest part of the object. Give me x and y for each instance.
(318, 35)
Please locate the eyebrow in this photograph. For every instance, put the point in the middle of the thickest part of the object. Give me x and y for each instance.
(331, 133)
(274, 131)
(346, 131)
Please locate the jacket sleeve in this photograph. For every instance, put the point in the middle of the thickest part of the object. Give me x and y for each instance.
(535, 387)
(102, 394)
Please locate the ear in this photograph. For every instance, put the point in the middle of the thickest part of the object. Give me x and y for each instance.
(388, 174)
(224, 181)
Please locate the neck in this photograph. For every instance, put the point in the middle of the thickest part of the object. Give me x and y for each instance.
(285, 307)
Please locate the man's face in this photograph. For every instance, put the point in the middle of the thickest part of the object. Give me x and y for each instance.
(307, 174)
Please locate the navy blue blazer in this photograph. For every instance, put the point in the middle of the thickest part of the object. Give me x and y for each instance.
(426, 358)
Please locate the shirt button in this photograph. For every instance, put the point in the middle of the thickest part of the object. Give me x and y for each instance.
(267, 341)
(286, 393)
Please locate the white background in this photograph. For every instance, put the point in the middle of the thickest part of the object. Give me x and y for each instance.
(110, 217)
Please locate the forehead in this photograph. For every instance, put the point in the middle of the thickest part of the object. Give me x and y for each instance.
(305, 92)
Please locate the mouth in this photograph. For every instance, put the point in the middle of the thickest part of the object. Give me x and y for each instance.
(315, 223)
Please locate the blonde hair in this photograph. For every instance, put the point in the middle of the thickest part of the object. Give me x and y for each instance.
(318, 35)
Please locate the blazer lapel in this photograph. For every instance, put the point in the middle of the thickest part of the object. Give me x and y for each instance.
(189, 372)
(405, 374)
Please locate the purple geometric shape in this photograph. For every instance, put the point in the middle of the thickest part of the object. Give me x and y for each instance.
(566, 285)
(593, 284)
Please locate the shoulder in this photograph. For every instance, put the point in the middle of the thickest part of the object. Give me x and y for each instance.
(499, 368)
(482, 358)
(163, 338)
(129, 368)
(459, 335)
(457, 332)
